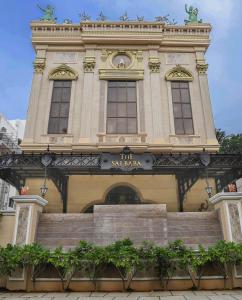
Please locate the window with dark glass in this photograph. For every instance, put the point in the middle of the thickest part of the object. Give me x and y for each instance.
(122, 107)
(59, 110)
(182, 107)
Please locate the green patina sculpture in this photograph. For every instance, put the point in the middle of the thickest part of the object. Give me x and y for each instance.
(48, 13)
(192, 15)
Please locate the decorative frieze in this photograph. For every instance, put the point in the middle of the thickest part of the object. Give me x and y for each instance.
(63, 72)
(89, 63)
(39, 65)
(179, 74)
(154, 64)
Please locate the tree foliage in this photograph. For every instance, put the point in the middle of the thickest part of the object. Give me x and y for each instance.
(229, 143)
(125, 258)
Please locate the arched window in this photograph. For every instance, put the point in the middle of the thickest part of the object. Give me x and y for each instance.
(122, 195)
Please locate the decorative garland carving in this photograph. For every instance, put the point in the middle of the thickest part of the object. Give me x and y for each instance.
(179, 74)
(63, 72)
(154, 64)
(202, 68)
(89, 63)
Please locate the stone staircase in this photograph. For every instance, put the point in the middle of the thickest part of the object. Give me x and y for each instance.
(109, 223)
(194, 228)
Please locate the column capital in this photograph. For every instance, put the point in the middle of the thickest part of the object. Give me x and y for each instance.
(225, 196)
(30, 199)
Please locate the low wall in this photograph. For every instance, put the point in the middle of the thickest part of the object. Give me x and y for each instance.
(7, 221)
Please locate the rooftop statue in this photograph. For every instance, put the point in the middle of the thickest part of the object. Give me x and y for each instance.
(84, 17)
(48, 13)
(140, 19)
(67, 21)
(124, 17)
(192, 15)
(166, 20)
(101, 17)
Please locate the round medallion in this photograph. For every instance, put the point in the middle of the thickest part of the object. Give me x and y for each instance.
(121, 61)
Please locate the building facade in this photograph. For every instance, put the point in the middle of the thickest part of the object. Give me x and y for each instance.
(101, 86)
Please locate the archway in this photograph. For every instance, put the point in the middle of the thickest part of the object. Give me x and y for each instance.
(122, 195)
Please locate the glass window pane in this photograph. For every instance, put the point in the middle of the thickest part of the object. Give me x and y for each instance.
(131, 110)
(179, 126)
(131, 94)
(177, 108)
(112, 94)
(185, 97)
(57, 94)
(184, 85)
(131, 84)
(121, 94)
(111, 125)
(53, 125)
(67, 83)
(122, 110)
(63, 125)
(112, 110)
(58, 83)
(186, 110)
(55, 110)
(188, 126)
(112, 84)
(175, 85)
(175, 95)
(66, 94)
(121, 125)
(64, 110)
(132, 125)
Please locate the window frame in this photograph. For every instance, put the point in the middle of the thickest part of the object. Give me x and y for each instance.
(182, 104)
(125, 101)
(61, 103)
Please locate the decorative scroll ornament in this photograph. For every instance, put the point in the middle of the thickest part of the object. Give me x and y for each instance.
(39, 66)
(63, 72)
(154, 64)
(202, 68)
(179, 74)
(89, 63)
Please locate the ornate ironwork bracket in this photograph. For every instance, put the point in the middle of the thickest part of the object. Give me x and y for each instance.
(185, 181)
(61, 183)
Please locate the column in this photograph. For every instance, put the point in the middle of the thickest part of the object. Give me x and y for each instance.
(28, 210)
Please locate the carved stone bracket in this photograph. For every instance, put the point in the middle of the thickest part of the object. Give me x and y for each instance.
(154, 64)
(63, 72)
(202, 67)
(39, 65)
(89, 63)
(179, 74)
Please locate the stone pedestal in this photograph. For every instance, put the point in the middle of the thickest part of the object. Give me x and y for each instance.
(229, 206)
(28, 209)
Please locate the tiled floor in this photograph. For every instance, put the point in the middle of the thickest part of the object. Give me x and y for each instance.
(172, 295)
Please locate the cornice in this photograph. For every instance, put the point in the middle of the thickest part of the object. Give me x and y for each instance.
(140, 33)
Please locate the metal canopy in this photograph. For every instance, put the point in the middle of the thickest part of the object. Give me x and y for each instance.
(187, 167)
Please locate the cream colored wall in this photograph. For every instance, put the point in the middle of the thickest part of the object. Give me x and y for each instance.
(83, 127)
(53, 197)
(85, 190)
(7, 221)
(198, 195)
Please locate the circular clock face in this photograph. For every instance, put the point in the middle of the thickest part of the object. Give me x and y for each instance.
(121, 61)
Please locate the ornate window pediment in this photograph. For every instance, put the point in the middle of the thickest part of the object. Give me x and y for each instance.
(179, 74)
(63, 72)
